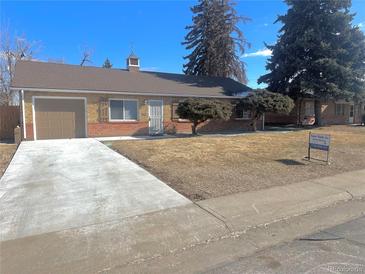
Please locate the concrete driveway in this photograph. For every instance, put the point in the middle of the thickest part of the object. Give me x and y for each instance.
(54, 185)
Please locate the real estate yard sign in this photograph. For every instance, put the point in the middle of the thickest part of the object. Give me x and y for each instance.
(319, 141)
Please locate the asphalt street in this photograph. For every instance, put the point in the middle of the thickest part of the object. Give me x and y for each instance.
(340, 249)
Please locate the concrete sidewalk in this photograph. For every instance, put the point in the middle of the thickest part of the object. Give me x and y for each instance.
(120, 244)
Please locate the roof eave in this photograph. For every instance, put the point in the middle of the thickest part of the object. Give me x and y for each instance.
(123, 92)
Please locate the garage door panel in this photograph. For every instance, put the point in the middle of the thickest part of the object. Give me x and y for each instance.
(68, 124)
(59, 118)
(51, 125)
(54, 124)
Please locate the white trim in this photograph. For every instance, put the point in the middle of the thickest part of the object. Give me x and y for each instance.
(122, 120)
(242, 119)
(149, 114)
(33, 114)
(125, 93)
(24, 124)
(56, 97)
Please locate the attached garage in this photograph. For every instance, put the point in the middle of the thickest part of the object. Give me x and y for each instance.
(59, 117)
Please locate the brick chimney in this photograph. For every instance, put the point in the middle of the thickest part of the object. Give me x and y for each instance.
(133, 62)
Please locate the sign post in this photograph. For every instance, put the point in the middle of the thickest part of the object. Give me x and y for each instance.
(320, 142)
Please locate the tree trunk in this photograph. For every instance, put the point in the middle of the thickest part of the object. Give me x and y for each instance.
(255, 117)
(318, 112)
(299, 112)
(254, 124)
(193, 128)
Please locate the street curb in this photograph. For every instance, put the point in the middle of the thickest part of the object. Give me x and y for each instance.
(264, 206)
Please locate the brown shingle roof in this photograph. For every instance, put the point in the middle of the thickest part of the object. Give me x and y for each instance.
(31, 74)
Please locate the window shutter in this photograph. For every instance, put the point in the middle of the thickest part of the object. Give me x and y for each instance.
(174, 115)
(103, 110)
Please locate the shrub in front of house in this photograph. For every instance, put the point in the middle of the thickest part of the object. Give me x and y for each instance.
(170, 129)
(199, 110)
(261, 101)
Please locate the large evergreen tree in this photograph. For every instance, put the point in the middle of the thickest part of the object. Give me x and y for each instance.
(215, 41)
(319, 54)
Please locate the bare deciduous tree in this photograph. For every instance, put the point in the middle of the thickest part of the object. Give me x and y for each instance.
(86, 56)
(12, 49)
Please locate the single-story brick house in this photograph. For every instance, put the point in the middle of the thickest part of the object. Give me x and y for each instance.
(67, 101)
(332, 112)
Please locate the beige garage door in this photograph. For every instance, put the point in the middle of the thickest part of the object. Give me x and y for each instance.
(59, 118)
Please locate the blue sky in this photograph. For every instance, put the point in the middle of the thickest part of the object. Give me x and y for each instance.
(155, 29)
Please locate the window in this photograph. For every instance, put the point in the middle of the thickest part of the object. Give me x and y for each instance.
(340, 110)
(309, 108)
(134, 62)
(174, 115)
(123, 110)
(241, 114)
(352, 110)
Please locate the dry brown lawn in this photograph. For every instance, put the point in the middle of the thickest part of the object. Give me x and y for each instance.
(210, 166)
(6, 153)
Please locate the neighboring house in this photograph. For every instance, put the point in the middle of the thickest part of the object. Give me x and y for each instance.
(67, 101)
(332, 112)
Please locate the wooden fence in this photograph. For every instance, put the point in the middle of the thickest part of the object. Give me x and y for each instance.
(9, 120)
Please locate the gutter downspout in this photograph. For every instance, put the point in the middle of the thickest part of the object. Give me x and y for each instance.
(23, 124)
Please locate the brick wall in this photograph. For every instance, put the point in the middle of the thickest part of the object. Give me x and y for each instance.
(29, 130)
(117, 129)
(214, 126)
(284, 119)
(97, 128)
(329, 116)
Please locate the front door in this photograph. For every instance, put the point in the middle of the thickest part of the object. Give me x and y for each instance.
(155, 110)
(351, 116)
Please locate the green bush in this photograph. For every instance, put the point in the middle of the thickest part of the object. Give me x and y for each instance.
(199, 110)
(261, 101)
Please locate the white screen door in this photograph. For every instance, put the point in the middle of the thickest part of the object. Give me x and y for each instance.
(155, 110)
